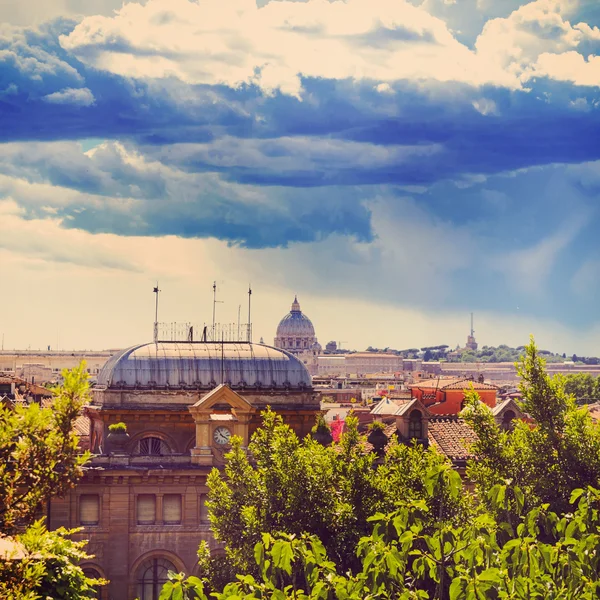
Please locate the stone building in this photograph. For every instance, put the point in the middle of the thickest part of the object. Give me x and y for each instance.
(296, 334)
(141, 502)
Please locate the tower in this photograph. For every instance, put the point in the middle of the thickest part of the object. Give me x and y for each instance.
(471, 343)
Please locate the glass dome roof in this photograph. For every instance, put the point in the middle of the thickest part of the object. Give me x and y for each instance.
(187, 365)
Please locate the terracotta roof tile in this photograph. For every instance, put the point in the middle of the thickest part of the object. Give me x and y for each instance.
(465, 384)
(451, 436)
(82, 426)
(452, 384)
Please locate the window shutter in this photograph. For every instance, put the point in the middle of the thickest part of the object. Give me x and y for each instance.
(89, 509)
(172, 509)
(146, 509)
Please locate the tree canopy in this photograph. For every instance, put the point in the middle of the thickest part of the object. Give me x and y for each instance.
(300, 487)
(39, 459)
(547, 458)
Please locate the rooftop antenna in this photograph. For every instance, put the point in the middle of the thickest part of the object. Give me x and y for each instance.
(249, 313)
(472, 330)
(156, 291)
(239, 312)
(215, 302)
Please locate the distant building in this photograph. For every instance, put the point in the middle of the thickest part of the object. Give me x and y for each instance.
(331, 365)
(373, 362)
(41, 366)
(296, 334)
(446, 396)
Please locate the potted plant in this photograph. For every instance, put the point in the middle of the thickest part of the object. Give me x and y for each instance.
(321, 432)
(117, 438)
(377, 437)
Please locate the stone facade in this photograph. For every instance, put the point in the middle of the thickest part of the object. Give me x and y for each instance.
(141, 502)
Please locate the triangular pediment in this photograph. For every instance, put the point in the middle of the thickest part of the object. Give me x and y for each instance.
(508, 404)
(411, 405)
(222, 394)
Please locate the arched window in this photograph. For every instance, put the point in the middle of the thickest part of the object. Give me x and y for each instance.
(508, 420)
(151, 576)
(152, 446)
(415, 425)
(93, 574)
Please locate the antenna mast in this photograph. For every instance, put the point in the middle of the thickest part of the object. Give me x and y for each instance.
(472, 330)
(156, 291)
(215, 302)
(249, 313)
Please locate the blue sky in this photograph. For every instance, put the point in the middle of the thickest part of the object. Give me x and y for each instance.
(398, 164)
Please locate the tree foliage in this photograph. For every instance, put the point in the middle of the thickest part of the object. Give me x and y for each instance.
(548, 458)
(49, 569)
(533, 534)
(584, 387)
(540, 556)
(300, 487)
(39, 459)
(39, 455)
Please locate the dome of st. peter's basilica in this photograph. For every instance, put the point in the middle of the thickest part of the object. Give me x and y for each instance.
(296, 333)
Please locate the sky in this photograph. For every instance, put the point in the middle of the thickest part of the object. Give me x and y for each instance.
(397, 164)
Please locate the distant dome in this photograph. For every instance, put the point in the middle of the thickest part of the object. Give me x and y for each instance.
(295, 332)
(194, 365)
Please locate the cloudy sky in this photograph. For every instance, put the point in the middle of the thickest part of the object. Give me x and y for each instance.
(397, 164)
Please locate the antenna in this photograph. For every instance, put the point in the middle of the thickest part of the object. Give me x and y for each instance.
(156, 291)
(249, 313)
(239, 311)
(472, 330)
(215, 302)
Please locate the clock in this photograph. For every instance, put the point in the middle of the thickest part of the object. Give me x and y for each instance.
(222, 435)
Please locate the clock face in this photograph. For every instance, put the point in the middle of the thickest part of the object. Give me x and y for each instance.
(222, 435)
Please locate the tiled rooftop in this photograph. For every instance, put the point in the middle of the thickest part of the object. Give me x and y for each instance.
(451, 436)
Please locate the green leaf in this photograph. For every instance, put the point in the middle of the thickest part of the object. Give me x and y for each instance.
(458, 588)
(282, 556)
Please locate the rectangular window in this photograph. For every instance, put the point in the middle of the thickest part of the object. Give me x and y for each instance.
(89, 509)
(203, 508)
(172, 509)
(146, 509)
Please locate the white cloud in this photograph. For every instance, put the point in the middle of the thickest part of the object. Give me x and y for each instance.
(485, 106)
(235, 42)
(77, 96)
(569, 66)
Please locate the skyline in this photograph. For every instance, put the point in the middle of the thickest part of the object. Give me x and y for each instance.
(396, 164)
(226, 309)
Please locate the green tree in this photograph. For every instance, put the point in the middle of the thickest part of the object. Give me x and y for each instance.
(49, 568)
(584, 387)
(546, 459)
(541, 556)
(300, 487)
(39, 454)
(39, 459)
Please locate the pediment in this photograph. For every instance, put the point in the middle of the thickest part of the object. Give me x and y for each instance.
(222, 395)
(411, 405)
(508, 404)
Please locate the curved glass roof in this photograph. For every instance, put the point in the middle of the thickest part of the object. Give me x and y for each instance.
(191, 365)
